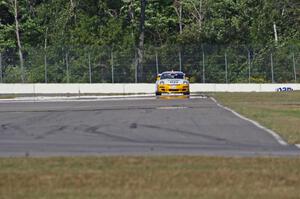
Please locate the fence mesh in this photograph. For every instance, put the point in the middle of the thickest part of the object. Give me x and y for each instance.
(102, 64)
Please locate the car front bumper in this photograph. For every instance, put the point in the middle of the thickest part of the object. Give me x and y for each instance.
(179, 88)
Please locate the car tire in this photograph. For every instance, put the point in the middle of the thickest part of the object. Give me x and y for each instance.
(187, 93)
(157, 94)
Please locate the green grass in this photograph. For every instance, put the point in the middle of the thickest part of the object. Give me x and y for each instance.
(277, 111)
(7, 96)
(149, 177)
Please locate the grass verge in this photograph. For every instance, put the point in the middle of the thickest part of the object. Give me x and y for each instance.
(149, 177)
(7, 96)
(277, 111)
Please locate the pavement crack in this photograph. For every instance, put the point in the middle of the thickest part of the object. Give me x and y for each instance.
(185, 132)
(4, 126)
(51, 132)
(133, 126)
(95, 130)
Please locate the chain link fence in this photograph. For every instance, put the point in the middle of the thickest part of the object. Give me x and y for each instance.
(102, 64)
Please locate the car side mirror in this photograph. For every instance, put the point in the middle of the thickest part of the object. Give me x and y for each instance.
(158, 77)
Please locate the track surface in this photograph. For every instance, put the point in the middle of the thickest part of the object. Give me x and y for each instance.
(147, 126)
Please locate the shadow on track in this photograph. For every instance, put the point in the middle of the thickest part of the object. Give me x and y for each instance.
(172, 97)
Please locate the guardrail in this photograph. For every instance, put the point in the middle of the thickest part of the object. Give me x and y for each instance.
(79, 89)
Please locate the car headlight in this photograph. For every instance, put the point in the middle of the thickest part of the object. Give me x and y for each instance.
(185, 82)
(161, 82)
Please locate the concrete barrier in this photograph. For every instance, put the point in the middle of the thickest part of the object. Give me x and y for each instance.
(139, 88)
(78, 89)
(17, 89)
(56, 88)
(241, 87)
(273, 87)
(101, 88)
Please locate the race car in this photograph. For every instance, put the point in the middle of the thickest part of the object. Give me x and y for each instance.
(172, 82)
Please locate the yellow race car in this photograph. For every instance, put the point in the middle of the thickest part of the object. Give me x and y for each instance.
(172, 82)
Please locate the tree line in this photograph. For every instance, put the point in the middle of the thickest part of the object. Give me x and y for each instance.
(61, 40)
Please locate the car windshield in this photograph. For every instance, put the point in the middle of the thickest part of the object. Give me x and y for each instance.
(172, 76)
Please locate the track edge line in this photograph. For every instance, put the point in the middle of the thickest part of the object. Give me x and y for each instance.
(278, 138)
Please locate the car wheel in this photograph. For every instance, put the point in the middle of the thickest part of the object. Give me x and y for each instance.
(187, 93)
(157, 93)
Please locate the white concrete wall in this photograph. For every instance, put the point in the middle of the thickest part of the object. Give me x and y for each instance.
(240, 87)
(132, 88)
(55, 88)
(101, 88)
(16, 88)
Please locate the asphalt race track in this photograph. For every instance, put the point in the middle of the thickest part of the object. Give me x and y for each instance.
(137, 126)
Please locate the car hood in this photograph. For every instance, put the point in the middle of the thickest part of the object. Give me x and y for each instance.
(173, 81)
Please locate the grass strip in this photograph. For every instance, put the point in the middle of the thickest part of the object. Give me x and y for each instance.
(149, 177)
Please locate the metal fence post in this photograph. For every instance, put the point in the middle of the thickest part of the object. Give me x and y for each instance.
(45, 65)
(203, 66)
(156, 61)
(1, 72)
(67, 64)
(135, 67)
(226, 68)
(101, 70)
(112, 67)
(45, 56)
(272, 68)
(180, 64)
(294, 66)
(90, 68)
(249, 67)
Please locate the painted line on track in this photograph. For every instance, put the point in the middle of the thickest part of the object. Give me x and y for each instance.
(275, 135)
(88, 98)
(76, 99)
(171, 107)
